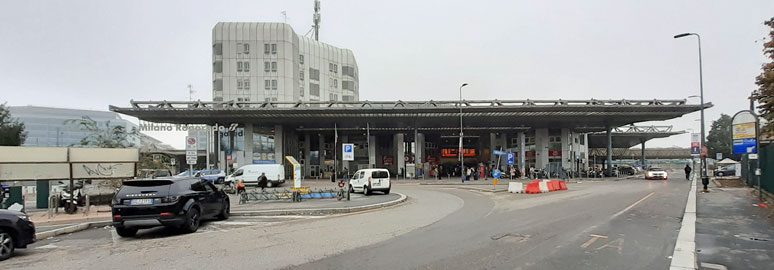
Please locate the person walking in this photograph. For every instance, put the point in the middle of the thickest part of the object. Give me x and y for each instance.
(687, 172)
(262, 181)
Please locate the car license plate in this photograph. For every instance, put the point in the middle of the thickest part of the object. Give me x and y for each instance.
(141, 202)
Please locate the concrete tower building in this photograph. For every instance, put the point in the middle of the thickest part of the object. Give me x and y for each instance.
(259, 62)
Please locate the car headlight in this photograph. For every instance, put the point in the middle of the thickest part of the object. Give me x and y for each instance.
(24, 217)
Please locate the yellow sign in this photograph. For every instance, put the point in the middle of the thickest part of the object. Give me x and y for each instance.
(744, 131)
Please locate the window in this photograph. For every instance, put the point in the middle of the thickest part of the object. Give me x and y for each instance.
(335, 68)
(247, 99)
(267, 99)
(346, 70)
(217, 49)
(314, 89)
(335, 83)
(217, 85)
(273, 84)
(273, 48)
(301, 74)
(330, 96)
(266, 84)
(246, 48)
(330, 67)
(348, 85)
(301, 59)
(314, 74)
(239, 99)
(266, 66)
(239, 66)
(239, 84)
(246, 66)
(330, 82)
(265, 48)
(217, 66)
(347, 98)
(273, 66)
(246, 84)
(301, 93)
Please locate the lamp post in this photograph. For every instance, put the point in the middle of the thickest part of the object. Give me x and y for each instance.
(462, 161)
(704, 178)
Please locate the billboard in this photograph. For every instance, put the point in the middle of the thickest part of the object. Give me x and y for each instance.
(53, 163)
(744, 132)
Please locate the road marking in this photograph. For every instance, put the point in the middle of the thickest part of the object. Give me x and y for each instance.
(713, 266)
(593, 239)
(619, 244)
(633, 205)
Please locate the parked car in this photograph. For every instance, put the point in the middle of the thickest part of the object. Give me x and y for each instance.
(728, 171)
(656, 173)
(16, 231)
(626, 170)
(176, 203)
(275, 174)
(370, 180)
(214, 176)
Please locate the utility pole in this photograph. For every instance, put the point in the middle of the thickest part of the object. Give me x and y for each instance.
(190, 92)
(316, 20)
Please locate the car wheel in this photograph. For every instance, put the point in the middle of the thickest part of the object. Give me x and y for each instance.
(126, 232)
(387, 191)
(269, 184)
(6, 245)
(366, 190)
(192, 221)
(226, 210)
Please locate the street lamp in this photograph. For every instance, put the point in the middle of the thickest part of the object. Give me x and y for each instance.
(462, 162)
(704, 179)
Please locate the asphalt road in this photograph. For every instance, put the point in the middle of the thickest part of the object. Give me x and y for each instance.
(629, 224)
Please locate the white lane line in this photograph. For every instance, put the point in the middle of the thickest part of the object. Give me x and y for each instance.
(684, 255)
(714, 266)
(633, 205)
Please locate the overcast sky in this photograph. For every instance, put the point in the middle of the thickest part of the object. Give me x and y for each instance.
(91, 54)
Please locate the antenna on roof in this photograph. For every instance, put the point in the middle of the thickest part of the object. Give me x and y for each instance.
(316, 20)
(190, 92)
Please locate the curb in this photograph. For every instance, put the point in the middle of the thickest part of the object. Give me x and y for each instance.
(684, 255)
(72, 229)
(320, 211)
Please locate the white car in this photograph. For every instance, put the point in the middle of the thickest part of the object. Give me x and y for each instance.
(275, 174)
(370, 180)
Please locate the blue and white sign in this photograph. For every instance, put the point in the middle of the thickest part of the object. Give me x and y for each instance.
(744, 146)
(348, 152)
(498, 152)
(510, 158)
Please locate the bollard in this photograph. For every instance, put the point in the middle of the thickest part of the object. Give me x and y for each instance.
(86, 206)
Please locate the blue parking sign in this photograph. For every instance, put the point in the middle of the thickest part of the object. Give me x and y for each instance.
(510, 158)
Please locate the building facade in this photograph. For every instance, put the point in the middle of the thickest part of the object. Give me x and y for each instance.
(265, 62)
(48, 126)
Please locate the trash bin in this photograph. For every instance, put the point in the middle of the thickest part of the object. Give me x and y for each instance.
(12, 195)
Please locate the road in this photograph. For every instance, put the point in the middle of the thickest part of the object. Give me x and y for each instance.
(629, 224)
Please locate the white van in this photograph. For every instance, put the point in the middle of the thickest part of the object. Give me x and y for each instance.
(249, 174)
(369, 180)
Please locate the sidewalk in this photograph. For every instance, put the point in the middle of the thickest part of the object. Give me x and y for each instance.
(97, 213)
(731, 231)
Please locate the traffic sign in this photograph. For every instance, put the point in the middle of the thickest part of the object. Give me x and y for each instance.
(752, 156)
(510, 158)
(498, 152)
(744, 132)
(348, 152)
(190, 152)
(191, 162)
(191, 158)
(190, 143)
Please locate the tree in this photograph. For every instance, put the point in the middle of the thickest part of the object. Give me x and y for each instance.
(107, 137)
(11, 131)
(765, 81)
(719, 138)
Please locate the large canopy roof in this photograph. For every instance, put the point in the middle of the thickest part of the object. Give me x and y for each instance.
(628, 136)
(581, 115)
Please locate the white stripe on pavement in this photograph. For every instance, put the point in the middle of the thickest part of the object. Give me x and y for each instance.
(684, 255)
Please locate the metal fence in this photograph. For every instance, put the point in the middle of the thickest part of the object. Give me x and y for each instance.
(766, 160)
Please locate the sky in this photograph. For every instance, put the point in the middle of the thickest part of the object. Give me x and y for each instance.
(92, 54)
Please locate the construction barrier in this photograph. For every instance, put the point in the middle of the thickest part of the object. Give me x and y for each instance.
(543, 187)
(515, 187)
(533, 188)
(550, 185)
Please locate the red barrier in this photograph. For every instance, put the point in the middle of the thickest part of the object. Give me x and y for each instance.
(563, 185)
(551, 186)
(533, 188)
(556, 185)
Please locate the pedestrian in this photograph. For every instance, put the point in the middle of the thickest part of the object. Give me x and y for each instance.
(437, 173)
(687, 172)
(262, 181)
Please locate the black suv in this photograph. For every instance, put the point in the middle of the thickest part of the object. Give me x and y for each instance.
(16, 231)
(177, 203)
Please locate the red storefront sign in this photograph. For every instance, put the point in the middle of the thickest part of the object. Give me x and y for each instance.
(529, 154)
(452, 152)
(555, 153)
(388, 160)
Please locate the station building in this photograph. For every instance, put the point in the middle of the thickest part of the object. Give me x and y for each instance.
(410, 137)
